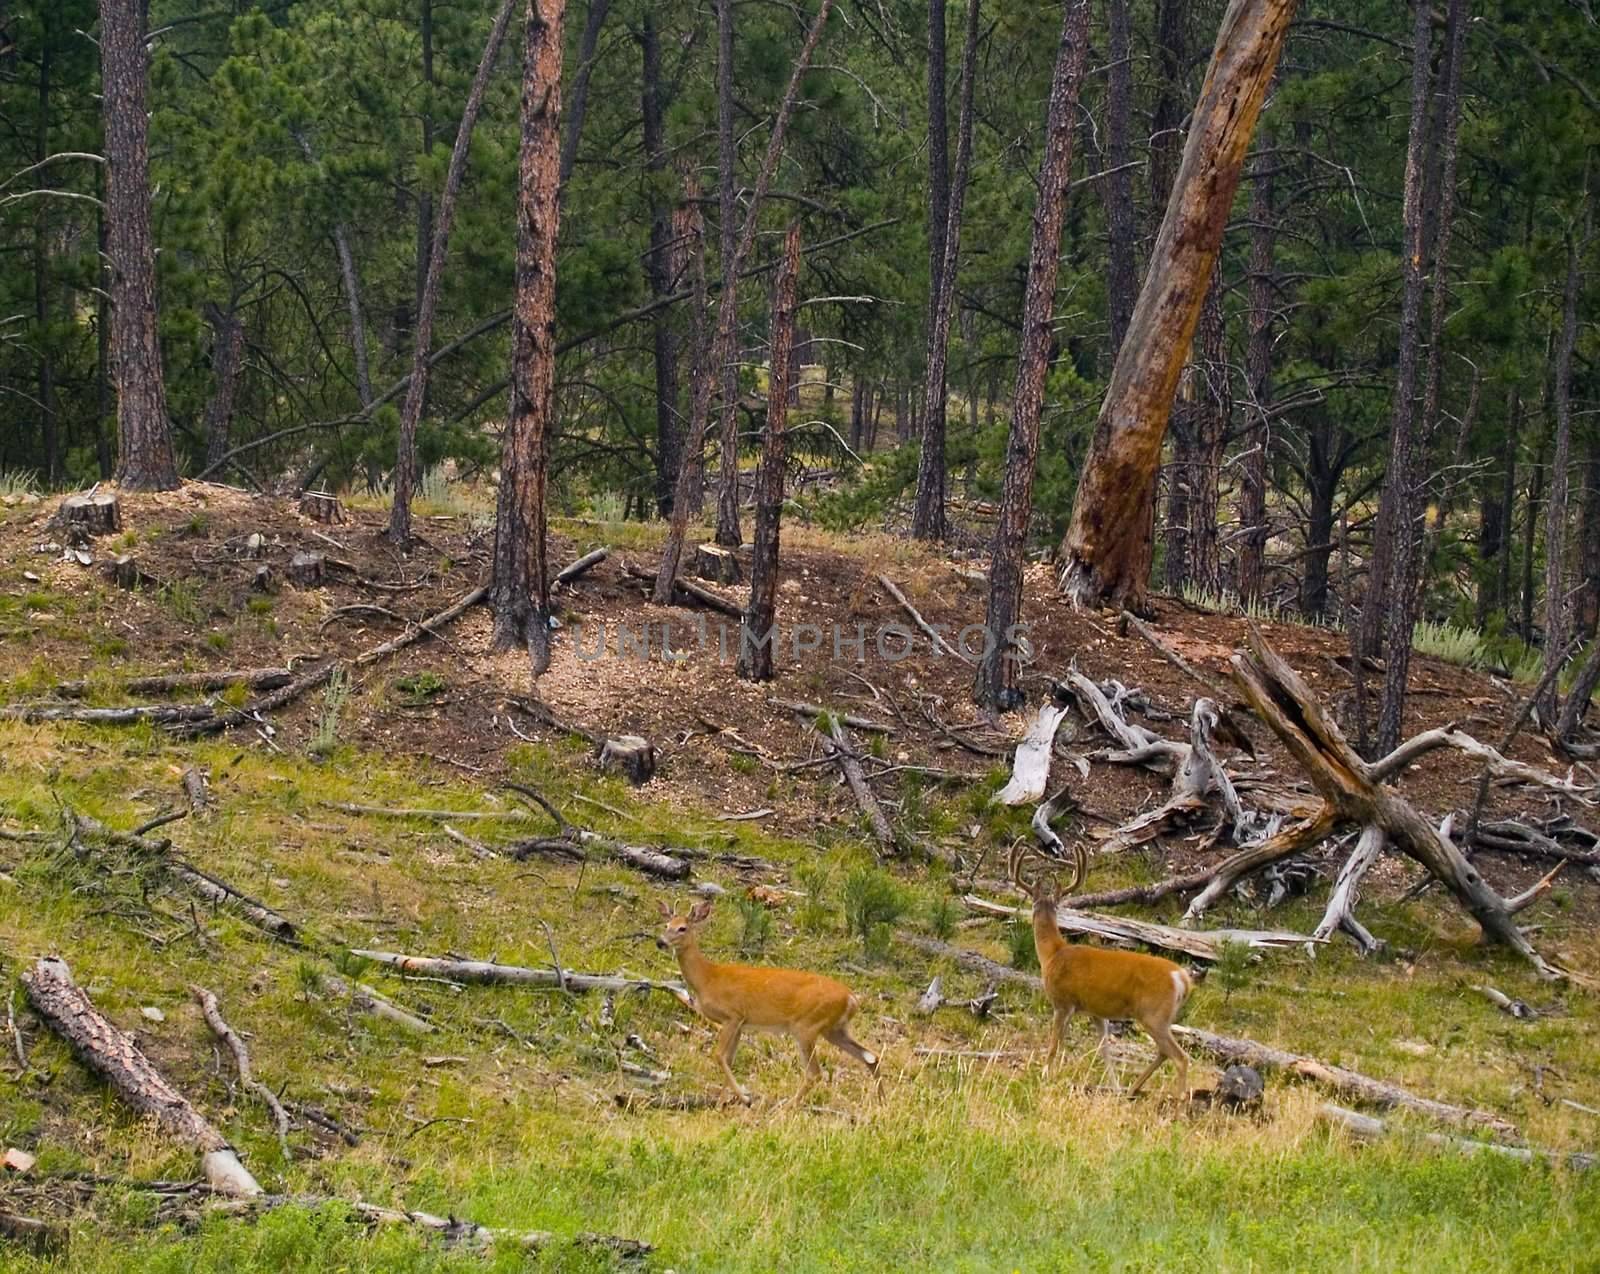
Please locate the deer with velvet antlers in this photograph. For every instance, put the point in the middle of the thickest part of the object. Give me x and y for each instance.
(1107, 985)
(806, 1006)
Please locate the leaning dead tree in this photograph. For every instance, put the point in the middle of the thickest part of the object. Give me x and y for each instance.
(1354, 795)
(1105, 556)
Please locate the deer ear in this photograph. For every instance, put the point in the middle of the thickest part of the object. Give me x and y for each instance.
(666, 911)
(700, 911)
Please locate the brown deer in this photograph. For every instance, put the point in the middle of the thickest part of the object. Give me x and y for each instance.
(807, 1006)
(1107, 985)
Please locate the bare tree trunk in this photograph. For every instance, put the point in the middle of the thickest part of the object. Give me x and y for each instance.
(1166, 148)
(1588, 601)
(1105, 555)
(757, 634)
(726, 368)
(1556, 608)
(927, 517)
(658, 268)
(1122, 279)
(1407, 442)
(404, 479)
(520, 589)
(928, 520)
(48, 424)
(1529, 532)
(689, 235)
(424, 195)
(227, 358)
(996, 682)
(1258, 374)
(351, 286)
(145, 460)
(721, 344)
(1508, 501)
(1210, 437)
(578, 107)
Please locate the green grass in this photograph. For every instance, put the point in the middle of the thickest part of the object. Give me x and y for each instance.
(960, 1166)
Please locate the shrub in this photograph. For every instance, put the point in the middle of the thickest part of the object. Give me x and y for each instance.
(755, 926)
(872, 903)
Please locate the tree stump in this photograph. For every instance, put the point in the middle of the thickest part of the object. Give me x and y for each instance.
(305, 570)
(98, 513)
(262, 581)
(321, 506)
(713, 562)
(255, 546)
(630, 755)
(125, 572)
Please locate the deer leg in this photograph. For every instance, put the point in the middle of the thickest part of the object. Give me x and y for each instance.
(727, 1042)
(1105, 1039)
(1166, 1047)
(1062, 1017)
(807, 1044)
(839, 1037)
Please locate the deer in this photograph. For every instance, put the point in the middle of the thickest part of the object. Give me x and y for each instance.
(807, 1006)
(1107, 985)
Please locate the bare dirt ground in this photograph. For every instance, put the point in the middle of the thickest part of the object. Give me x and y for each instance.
(454, 701)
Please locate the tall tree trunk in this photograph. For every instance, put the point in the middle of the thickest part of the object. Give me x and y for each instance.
(424, 195)
(227, 360)
(351, 284)
(1166, 146)
(996, 682)
(758, 634)
(1588, 600)
(721, 343)
(1258, 379)
(927, 517)
(1105, 555)
(145, 459)
(1122, 278)
(520, 588)
(405, 465)
(1407, 441)
(1529, 534)
(41, 268)
(658, 267)
(928, 520)
(1556, 607)
(578, 107)
(1324, 490)
(1210, 437)
(689, 233)
(1508, 501)
(102, 341)
(727, 365)
(858, 410)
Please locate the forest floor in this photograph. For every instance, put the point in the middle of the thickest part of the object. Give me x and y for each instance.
(508, 1113)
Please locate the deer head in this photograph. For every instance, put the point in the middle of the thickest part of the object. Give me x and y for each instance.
(1030, 870)
(680, 931)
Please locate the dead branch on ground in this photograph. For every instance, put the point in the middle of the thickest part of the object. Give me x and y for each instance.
(212, 1012)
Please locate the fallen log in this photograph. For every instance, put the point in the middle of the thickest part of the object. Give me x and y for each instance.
(365, 999)
(837, 745)
(1201, 944)
(1367, 1128)
(940, 645)
(582, 566)
(1353, 792)
(490, 972)
(167, 714)
(570, 841)
(801, 708)
(1228, 1049)
(695, 592)
(176, 682)
(111, 1053)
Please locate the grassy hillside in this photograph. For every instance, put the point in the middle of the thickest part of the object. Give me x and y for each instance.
(507, 1113)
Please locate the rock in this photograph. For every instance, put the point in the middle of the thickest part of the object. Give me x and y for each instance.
(16, 1160)
(151, 1013)
(1240, 1088)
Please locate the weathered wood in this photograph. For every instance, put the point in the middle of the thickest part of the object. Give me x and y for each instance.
(323, 507)
(1030, 772)
(262, 581)
(717, 564)
(1367, 1128)
(95, 513)
(196, 789)
(693, 592)
(629, 755)
(837, 745)
(490, 972)
(366, 999)
(1105, 555)
(1342, 901)
(160, 714)
(1201, 944)
(940, 645)
(816, 711)
(111, 1053)
(306, 569)
(125, 572)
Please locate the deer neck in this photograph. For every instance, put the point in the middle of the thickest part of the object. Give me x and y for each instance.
(1046, 933)
(694, 965)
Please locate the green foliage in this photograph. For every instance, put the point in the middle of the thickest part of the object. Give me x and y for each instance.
(942, 915)
(815, 911)
(755, 926)
(1232, 967)
(325, 735)
(872, 903)
(419, 688)
(1454, 645)
(1021, 949)
(182, 598)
